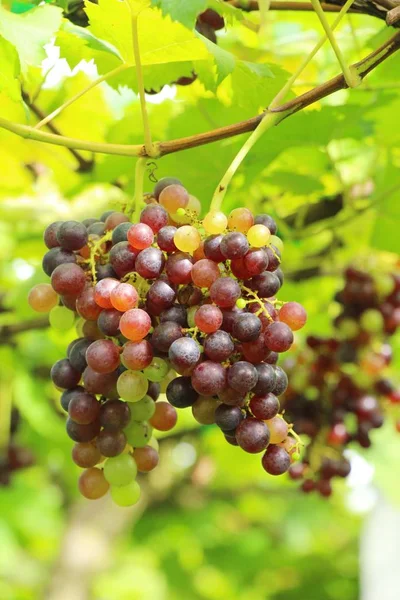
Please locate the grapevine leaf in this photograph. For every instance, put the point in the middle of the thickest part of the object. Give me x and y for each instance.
(181, 10)
(30, 31)
(10, 70)
(229, 12)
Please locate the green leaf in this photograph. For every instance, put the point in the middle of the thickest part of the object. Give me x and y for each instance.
(161, 40)
(10, 69)
(223, 61)
(229, 12)
(181, 10)
(30, 31)
(91, 41)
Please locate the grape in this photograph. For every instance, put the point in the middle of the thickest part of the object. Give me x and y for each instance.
(132, 386)
(208, 318)
(255, 352)
(122, 258)
(276, 460)
(189, 295)
(50, 234)
(294, 315)
(77, 355)
(103, 356)
(92, 484)
(264, 407)
(239, 269)
(61, 318)
(90, 330)
(278, 429)
(209, 378)
(68, 279)
(281, 382)
(42, 298)
(153, 390)
(258, 235)
(277, 242)
(165, 417)
(157, 370)
(274, 258)
(124, 297)
(228, 417)
(69, 301)
(146, 458)
(267, 221)
(115, 219)
(100, 383)
(278, 337)
(161, 294)
(219, 346)
(137, 355)
(108, 322)
(179, 268)
(114, 415)
(140, 236)
(155, 216)
(215, 222)
(371, 320)
(256, 261)
(184, 354)
(187, 238)
(105, 215)
(252, 435)
(126, 495)
(139, 433)
(214, 20)
(72, 235)
(205, 272)
(212, 248)
(67, 396)
(84, 408)
(180, 392)
(234, 245)
(82, 433)
(120, 233)
(120, 470)
(163, 183)
(165, 239)
(102, 292)
(87, 306)
(246, 327)
(224, 292)
(204, 410)
(98, 228)
(111, 443)
(240, 219)
(175, 314)
(242, 376)
(173, 197)
(56, 257)
(64, 375)
(143, 410)
(268, 380)
(267, 284)
(85, 455)
(232, 397)
(166, 334)
(135, 324)
(150, 263)
(207, 31)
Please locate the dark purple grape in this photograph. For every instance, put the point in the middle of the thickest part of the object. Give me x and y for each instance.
(84, 408)
(256, 261)
(189, 295)
(219, 346)
(154, 390)
(184, 354)
(267, 379)
(264, 407)
(209, 378)
(101, 383)
(77, 355)
(111, 443)
(108, 322)
(150, 263)
(231, 439)
(106, 214)
(246, 327)
(72, 235)
(56, 257)
(97, 228)
(105, 271)
(281, 382)
(122, 258)
(50, 234)
(228, 417)
(232, 397)
(276, 460)
(68, 395)
(274, 258)
(175, 313)
(155, 216)
(165, 239)
(252, 435)
(225, 291)
(88, 222)
(64, 375)
(267, 284)
(242, 376)
(278, 337)
(115, 415)
(179, 268)
(161, 294)
(120, 233)
(82, 433)
(234, 245)
(180, 392)
(212, 248)
(212, 18)
(68, 279)
(166, 334)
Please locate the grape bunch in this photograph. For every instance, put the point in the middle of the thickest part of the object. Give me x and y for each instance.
(15, 457)
(341, 386)
(168, 304)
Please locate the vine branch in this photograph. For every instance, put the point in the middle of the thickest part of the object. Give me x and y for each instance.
(362, 68)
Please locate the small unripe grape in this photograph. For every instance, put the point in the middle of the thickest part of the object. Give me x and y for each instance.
(61, 318)
(278, 429)
(277, 242)
(184, 216)
(132, 386)
(371, 320)
(157, 370)
(240, 219)
(126, 495)
(215, 222)
(203, 410)
(42, 298)
(120, 470)
(187, 238)
(174, 197)
(258, 236)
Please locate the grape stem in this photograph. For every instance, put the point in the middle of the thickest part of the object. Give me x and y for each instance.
(94, 250)
(138, 203)
(257, 299)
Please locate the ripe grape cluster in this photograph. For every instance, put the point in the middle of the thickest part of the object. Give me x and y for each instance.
(170, 303)
(14, 457)
(343, 384)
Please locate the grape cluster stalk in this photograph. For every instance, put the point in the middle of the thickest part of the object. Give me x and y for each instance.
(169, 304)
(341, 387)
(15, 456)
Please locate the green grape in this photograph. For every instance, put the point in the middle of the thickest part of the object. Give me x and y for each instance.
(157, 370)
(61, 318)
(120, 470)
(143, 410)
(348, 328)
(126, 495)
(371, 321)
(384, 284)
(190, 315)
(138, 433)
(153, 442)
(132, 386)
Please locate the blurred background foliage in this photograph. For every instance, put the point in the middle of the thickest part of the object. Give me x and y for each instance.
(210, 525)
